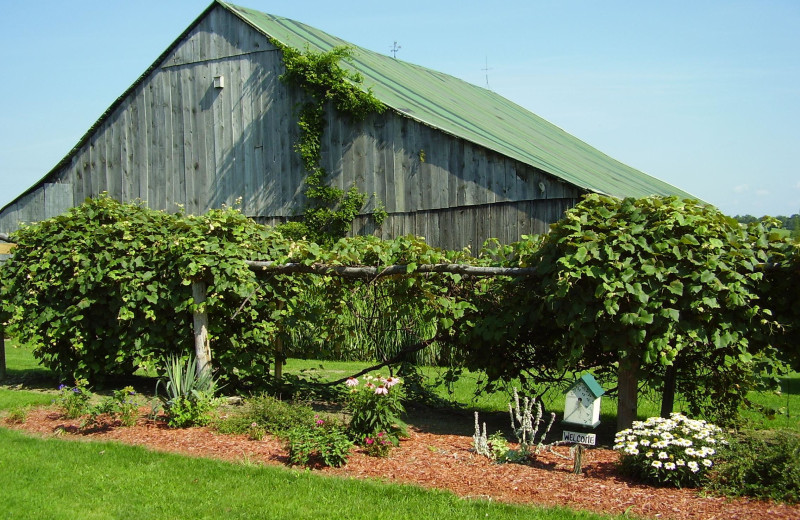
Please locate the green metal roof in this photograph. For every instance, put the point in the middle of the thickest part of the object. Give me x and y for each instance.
(472, 113)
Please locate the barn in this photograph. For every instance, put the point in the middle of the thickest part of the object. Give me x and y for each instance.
(210, 123)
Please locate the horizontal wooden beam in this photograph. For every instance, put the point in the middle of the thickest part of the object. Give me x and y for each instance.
(391, 270)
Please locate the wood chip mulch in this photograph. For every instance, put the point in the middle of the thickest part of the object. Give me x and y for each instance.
(446, 462)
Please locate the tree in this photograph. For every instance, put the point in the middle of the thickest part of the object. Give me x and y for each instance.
(660, 290)
(105, 288)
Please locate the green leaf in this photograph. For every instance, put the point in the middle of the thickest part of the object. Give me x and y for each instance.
(675, 287)
(581, 254)
(672, 314)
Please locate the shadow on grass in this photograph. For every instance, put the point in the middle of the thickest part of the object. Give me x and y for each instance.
(790, 385)
(43, 379)
(30, 379)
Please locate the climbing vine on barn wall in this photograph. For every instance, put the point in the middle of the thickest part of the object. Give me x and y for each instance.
(330, 210)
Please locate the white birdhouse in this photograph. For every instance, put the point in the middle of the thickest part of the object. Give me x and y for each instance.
(582, 405)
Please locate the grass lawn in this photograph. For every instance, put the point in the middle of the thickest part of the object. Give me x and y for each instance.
(55, 478)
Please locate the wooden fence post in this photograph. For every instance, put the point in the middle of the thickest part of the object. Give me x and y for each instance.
(2, 352)
(202, 346)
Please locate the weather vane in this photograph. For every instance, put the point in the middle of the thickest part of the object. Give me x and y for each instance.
(486, 69)
(394, 50)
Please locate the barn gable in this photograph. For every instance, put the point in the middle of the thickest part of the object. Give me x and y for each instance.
(210, 123)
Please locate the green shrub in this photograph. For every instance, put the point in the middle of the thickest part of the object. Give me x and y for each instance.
(17, 415)
(105, 288)
(268, 413)
(121, 405)
(265, 414)
(764, 465)
(85, 288)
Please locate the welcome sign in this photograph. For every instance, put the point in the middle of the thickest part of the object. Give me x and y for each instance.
(579, 438)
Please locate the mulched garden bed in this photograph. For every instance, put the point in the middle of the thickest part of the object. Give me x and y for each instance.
(444, 461)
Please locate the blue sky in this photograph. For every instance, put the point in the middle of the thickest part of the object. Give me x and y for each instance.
(704, 95)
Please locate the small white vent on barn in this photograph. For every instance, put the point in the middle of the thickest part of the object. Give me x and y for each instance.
(219, 81)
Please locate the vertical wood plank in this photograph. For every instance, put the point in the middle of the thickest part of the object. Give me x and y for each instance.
(468, 192)
(388, 158)
(248, 135)
(191, 139)
(113, 157)
(400, 170)
(141, 140)
(156, 185)
(177, 170)
(238, 132)
(126, 153)
(441, 171)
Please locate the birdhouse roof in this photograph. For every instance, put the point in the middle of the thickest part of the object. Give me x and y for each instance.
(591, 383)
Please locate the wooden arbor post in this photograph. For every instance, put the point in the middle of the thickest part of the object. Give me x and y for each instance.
(2, 352)
(6, 243)
(202, 346)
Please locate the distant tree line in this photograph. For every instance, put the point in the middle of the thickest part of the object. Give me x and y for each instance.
(791, 223)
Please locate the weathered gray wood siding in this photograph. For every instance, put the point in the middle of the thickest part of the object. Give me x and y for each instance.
(175, 139)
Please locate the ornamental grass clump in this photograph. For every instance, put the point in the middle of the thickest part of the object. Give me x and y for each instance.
(189, 395)
(677, 451)
(375, 406)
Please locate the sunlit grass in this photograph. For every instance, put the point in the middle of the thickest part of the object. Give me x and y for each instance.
(54, 478)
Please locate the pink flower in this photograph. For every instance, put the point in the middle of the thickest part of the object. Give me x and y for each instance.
(382, 390)
(369, 441)
(320, 422)
(351, 381)
(391, 381)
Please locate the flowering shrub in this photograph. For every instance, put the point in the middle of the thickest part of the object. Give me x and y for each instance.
(376, 406)
(121, 405)
(256, 432)
(677, 451)
(125, 405)
(379, 445)
(74, 400)
(325, 443)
